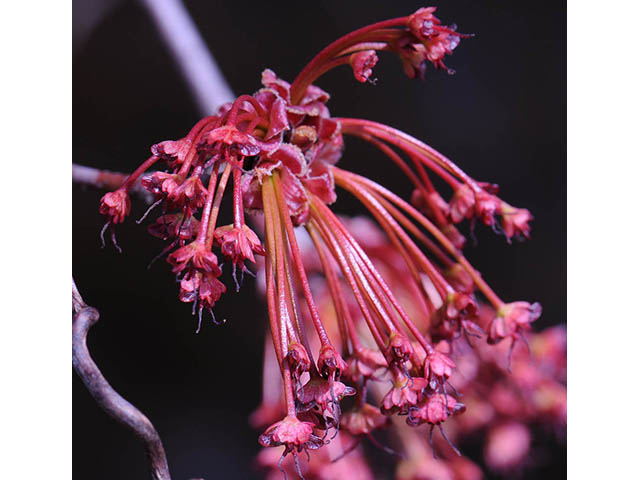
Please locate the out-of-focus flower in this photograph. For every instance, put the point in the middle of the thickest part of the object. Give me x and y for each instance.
(507, 445)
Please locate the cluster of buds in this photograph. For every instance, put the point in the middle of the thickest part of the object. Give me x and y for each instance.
(279, 147)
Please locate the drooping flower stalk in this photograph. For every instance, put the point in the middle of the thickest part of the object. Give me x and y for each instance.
(501, 406)
(279, 148)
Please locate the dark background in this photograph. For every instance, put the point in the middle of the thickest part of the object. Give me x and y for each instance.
(502, 118)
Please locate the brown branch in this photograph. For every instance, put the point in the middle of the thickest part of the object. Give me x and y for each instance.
(84, 317)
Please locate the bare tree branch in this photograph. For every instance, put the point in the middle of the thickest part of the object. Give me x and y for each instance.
(96, 177)
(84, 317)
(105, 179)
(180, 33)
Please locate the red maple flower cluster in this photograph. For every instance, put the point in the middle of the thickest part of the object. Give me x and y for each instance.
(507, 392)
(279, 148)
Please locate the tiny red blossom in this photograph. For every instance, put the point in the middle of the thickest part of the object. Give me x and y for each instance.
(172, 151)
(298, 359)
(462, 204)
(116, 205)
(229, 135)
(238, 244)
(191, 192)
(512, 319)
(294, 434)
(438, 364)
(330, 362)
(194, 255)
(434, 410)
(162, 183)
(400, 347)
(362, 64)
(486, 206)
(202, 286)
(322, 393)
(515, 221)
(174, 225)
(439, 46)
(405, 394)
(421, 23)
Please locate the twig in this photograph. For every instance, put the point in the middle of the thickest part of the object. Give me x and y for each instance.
(84, 317)
(96, 177)
(200, 70)
(105, 179)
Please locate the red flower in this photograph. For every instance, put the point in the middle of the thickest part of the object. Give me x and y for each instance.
(512, 319)
(330, 362)
(191, 193)
(421, 23)
(194, 255)
(116, 205)
(515, 221)
(439, 364)
(460, 305)
(400, 347)
(287, 156)
(238, 244)
(323, 396)
(174, 225)
(204, 287)
(405, 394)
(439, 41)
(294, 434)
(172, 151)
(456, 316)
(487, 206)
(298, 359)
(210, 289)
(295, 196)
(362, 64)
(162, 183)
(462, 203)
(241, 142)
(440, 46)
(434, 410)
(271, 80)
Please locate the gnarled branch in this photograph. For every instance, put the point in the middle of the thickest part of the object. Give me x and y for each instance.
(84, 317)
